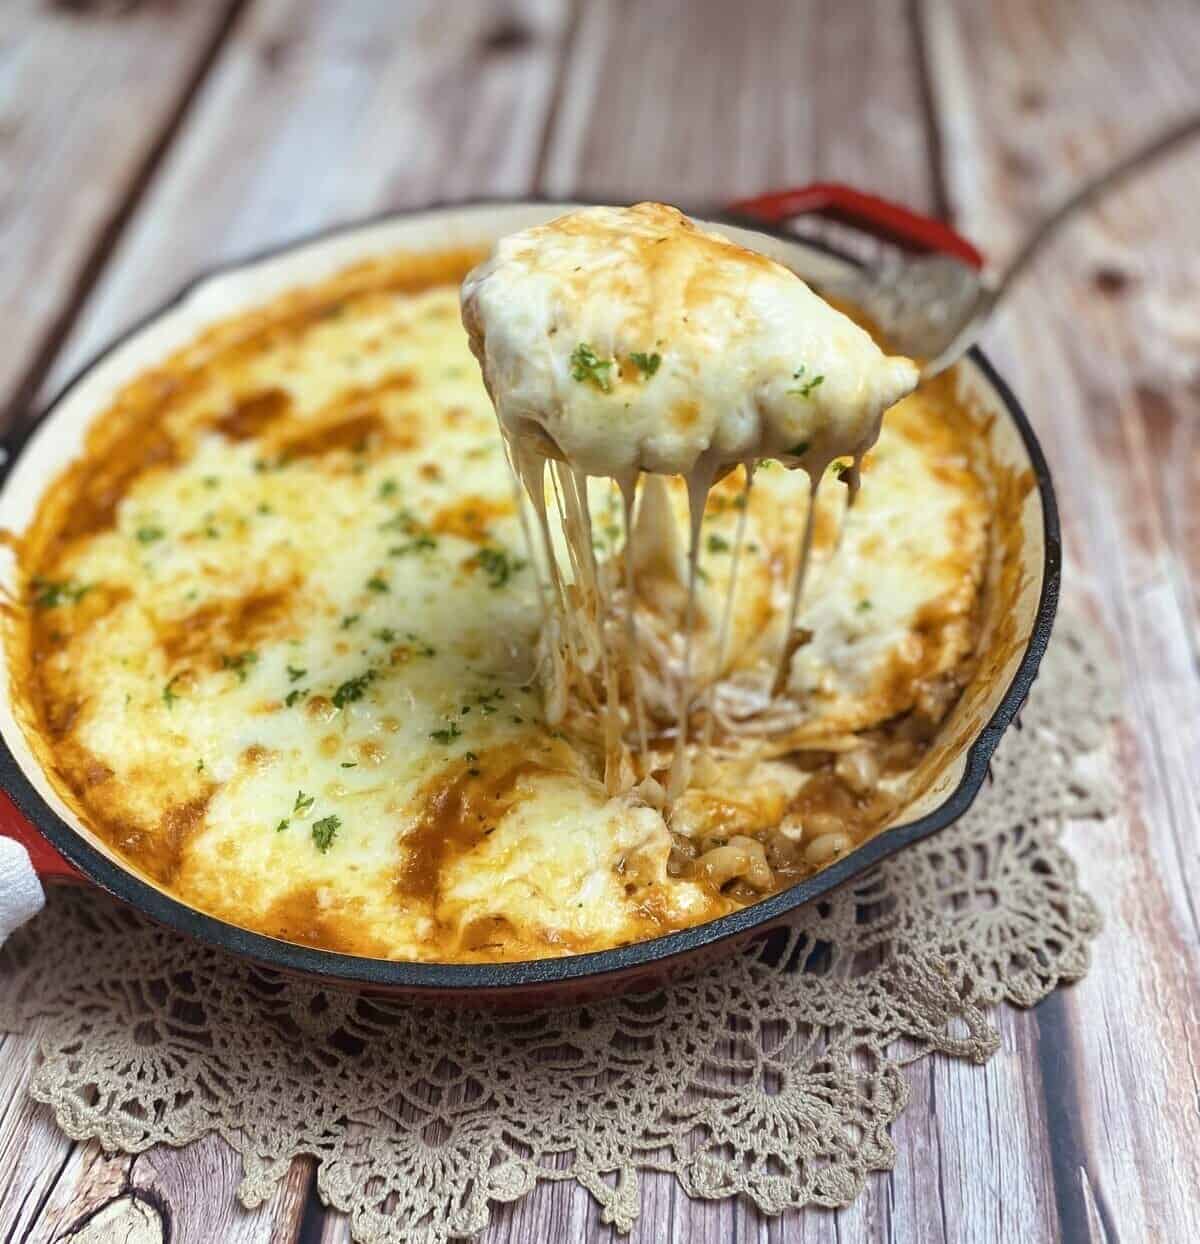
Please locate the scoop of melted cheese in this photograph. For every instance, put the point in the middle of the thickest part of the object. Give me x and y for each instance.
(627, 338)
(280, 628)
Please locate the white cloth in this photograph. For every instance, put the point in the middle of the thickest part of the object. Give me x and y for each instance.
(21, 894)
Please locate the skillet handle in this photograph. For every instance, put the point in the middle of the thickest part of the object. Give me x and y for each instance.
(47, 863)
(879, 217)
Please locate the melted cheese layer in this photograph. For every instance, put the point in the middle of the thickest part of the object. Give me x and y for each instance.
(279, 633)
(626, 339)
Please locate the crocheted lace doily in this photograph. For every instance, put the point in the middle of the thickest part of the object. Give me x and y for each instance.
(775, 1075)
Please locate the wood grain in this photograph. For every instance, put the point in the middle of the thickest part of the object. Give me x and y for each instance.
(1086, 1126)
(319, 113)
(704, 102)
(1116, 408)
(88, 99)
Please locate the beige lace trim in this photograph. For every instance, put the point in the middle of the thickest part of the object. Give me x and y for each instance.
(775, 1075)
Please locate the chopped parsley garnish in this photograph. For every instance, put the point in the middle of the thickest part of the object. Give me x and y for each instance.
(264, 508)
(863, 606)
(240, 664)
(324, 831)
(303, 803)
(487, 701)
(647, 364)
(168, 695)
(212, 533)
(587, 367)
(199, 766)
(805, 387)
(377, 584)
(800, 447)
(211, 481)
(49, 595)
(147, 535)
(353, 689)
(423, 649)
(385, 635)
(403, 520)
(293, 696)
(388, 488)
(349, 764)
(419, 544)
(499, 565)
(448, 735)
(717, 544)
(283, 824)
(349, 620)
(294, 673)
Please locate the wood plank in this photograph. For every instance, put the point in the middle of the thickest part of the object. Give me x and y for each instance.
(1017, 89)
(166, 1194)
(33, 1152)
(88, 94)
(312, 113)
(319, 113)
(704, 102)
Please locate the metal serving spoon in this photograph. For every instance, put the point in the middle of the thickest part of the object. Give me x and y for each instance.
(933, 307)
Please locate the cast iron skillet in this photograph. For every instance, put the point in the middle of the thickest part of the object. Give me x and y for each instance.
(60, 852)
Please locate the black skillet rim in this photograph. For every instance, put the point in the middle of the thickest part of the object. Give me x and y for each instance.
(459, 978)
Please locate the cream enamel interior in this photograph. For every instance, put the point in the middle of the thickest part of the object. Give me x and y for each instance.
(60, 437)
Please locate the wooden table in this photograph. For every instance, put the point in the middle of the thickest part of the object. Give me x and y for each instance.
(142, 141)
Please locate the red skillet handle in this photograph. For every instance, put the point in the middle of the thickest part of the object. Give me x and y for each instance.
(47, 863)
(878, 217)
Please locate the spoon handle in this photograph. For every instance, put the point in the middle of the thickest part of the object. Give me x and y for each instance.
(1089, 192)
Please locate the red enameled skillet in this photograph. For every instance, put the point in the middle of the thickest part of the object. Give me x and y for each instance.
(63, 850)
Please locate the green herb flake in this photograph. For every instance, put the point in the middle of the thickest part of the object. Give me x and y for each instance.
(49, 594)
(385, 635)
(147, 535)
(863, 606)
(448, 735)
(403, 520)
(353, 689)
(293, 696)
(717, 544)
(303, 803)
(805, 387)
(263, 508)
(324, 832)
(377, 584)
(388, 488)
(240, 664)
(423, 649)
(349, 620)
(349, 764)
(419, 544)
(588, 368)
(499, 565)
(282, 825)
(199, 766)
(168, 694)
(647, 364)
(294, 673)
